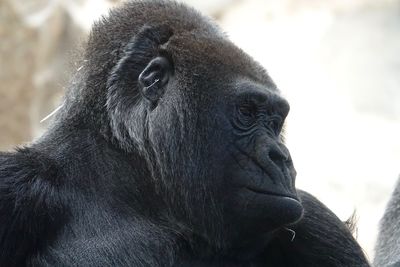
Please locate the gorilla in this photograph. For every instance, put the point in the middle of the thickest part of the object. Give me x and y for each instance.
(387, 250)
(167, 151)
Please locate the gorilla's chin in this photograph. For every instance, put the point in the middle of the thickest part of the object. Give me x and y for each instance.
(253, 215)
(261, 211)
(278, 210)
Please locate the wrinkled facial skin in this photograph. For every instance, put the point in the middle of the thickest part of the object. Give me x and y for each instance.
(211, 134)
(260, 170)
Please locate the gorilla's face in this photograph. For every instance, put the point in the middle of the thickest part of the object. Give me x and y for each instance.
(259, 170)
(208, 120)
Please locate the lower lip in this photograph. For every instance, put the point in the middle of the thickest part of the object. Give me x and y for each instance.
(265, 192)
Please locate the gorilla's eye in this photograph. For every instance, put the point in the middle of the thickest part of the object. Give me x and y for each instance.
(248, 110)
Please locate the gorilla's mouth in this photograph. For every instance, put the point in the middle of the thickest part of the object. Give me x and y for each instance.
(277, 207)
(271, 193)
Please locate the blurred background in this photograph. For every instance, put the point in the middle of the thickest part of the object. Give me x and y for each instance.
(337, 62)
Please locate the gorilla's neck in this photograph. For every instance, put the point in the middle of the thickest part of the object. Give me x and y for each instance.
(110, 173)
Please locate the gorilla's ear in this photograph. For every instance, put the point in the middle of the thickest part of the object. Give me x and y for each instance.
(154, 78)
(141, 73)
(143, 69)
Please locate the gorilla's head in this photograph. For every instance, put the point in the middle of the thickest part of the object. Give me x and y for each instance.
(204, 116)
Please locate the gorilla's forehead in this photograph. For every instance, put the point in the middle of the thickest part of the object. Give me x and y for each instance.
(214, 57)
(195, 36)
(197, 45)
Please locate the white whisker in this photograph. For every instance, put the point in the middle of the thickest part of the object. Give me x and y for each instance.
(52, 113)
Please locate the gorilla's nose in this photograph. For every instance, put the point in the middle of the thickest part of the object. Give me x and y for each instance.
(282, 169)
(275, 160)
(278, 154)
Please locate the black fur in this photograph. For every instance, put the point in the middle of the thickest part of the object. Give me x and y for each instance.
(167, 152)
(387, 249)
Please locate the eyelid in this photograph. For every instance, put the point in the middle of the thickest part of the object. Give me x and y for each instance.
(253, 98)
(247, 111)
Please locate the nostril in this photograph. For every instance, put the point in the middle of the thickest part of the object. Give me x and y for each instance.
(277, 155)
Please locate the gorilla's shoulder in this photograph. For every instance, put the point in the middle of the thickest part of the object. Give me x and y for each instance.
(27, 180)
(316, 211)
(387, 248)
(25, 164)
(28, 202)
